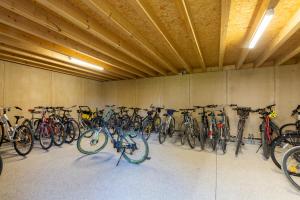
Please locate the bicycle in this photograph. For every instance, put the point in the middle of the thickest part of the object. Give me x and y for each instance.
(19, 135)
(202, 127)
(168, 126)
(33, 122)
(288, 138)
(267, 128)
(71, 127)
(291, 166)
(187, 127)
(223, 130)
(135, 120)
(129, 143)
(243, 113)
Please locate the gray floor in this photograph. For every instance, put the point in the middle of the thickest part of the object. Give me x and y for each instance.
(174, 172)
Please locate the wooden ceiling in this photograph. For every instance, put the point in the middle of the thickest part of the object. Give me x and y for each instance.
(145, 38)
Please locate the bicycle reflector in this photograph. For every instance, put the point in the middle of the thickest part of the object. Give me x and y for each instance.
(273, 114)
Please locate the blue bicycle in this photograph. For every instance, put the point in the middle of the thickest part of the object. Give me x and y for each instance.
(131, 144)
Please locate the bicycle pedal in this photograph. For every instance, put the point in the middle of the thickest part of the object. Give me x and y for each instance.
(148, 158)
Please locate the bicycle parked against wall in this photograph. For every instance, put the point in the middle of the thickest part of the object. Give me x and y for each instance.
(243, 113)
(291, 166)
(268, 128)
(288, 138)
(223, 133)
(71, 127)
(187, 127)
(201, 128)
(132, 146)
(135, 120)
(19, 135)
(168, 125)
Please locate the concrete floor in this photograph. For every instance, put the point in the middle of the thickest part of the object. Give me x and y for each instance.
(174, 172)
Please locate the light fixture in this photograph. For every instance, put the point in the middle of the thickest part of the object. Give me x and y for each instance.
(85, 64)
(262, 27)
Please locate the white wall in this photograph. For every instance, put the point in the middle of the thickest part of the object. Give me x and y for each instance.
(248, 87)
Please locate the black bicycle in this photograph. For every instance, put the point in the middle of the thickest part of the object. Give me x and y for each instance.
(243, 113)
(291, 166)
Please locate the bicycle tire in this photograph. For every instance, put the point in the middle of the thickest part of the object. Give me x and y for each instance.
(77, 129)
(162, 135)
(69, 132)
(156, 123)
(1, 165)
(202, 134)
(147, 128)
(137, 123)
(129, 140)
(58, 133)
(36, 124)
(278, 146)
(45, 133)
(25, 137)
(80, 141)
(171, 128)
(288, 174)
(281, 132)
(191, 138)
(239, 138)
(264, 142)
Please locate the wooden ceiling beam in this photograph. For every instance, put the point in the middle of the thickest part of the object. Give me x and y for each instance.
(286, 32)
(225, 10)
(35, 41)
(37, 58)
(183, 5)
(127, 27)
(20, 23)
(75, 16)
(16, 58)
(142, 5)
(18, 46)
(38, 15)
(287, 56)
(264, 6)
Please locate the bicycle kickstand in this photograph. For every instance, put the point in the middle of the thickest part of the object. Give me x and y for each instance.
(123, 151)
(259, 148)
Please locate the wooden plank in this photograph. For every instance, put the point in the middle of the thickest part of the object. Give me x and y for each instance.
(35, 41)
(20, 23)
(18, 46)
(187, 16)
(158, 26)
(132, 31)
(40, 16)
(74, 15)
(225, 10)
(287, 56)
(286, 32)
(37, 64)
(264, 6)
(59, 65)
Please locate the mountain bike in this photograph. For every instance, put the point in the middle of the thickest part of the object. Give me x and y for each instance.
(132, 146)
(85, 115)
(19, 135)
(33, 122)
(187, 127)
(223, 130)
(168, 125)
(147, 124)
(291, 166)
(135, 120)
(156, 118)
(201, 128)
(268, 128)
(288, 138)
(243, 113)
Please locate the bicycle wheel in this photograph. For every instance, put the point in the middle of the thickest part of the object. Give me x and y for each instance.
(184, 135)
(136, 149)
(58, 133)
(202, 135)
(287, 127)
(264, 142)
(281, 145)
(291, 166)
(45, 134)
(171, 129)
(69, 132)
(239, 137)
(137, 123)
(147, 128)
(96, 141)
(162, 135)
(1, 164)
(36, 124)
(156, 123)
(23, 140)
(76, 129)
(191, 137)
